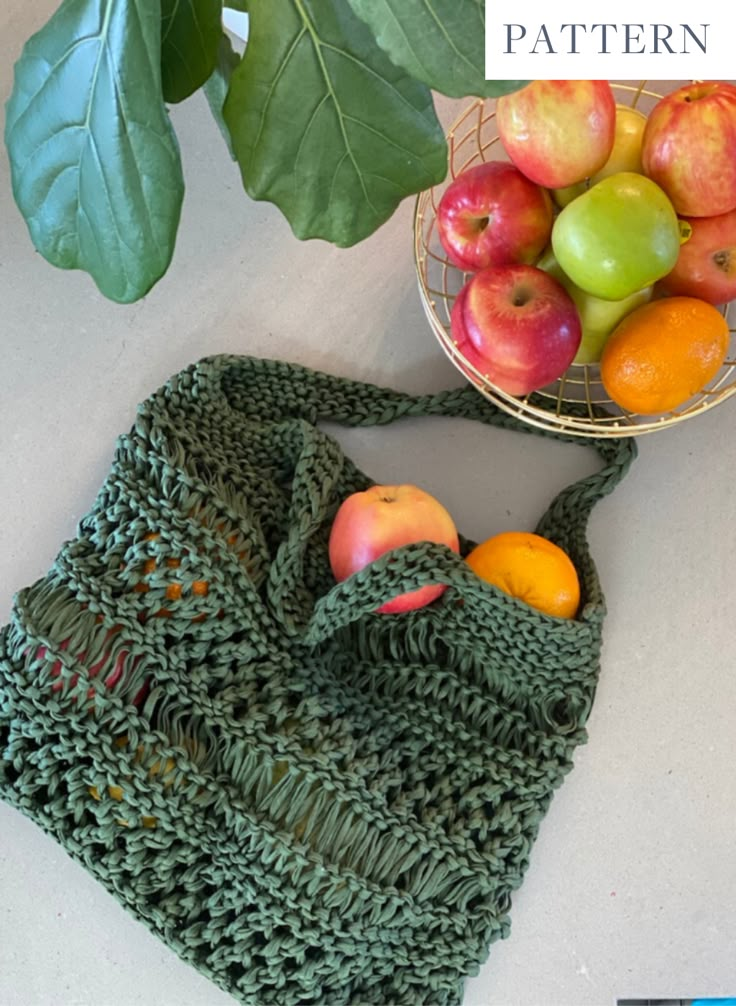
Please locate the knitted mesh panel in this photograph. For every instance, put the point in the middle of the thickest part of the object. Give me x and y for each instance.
(307, 801)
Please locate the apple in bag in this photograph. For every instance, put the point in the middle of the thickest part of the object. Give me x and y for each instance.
(382, 518)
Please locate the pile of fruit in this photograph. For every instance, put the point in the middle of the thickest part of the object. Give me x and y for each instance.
(608, 237)
(524, 565)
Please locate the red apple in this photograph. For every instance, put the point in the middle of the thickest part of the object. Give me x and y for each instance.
(112, 671)
(491, 214)
(689, 148)
(382, 518)
(460, 337)
(706, 265)
(558, 132)
(517, 326)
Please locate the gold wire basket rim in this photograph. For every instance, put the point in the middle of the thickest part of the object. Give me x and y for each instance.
(583, 417)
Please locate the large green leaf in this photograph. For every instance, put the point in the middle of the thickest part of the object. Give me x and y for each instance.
(325, 125)
(190, 36)
(440, 42)
(94, 160)
(217, 85)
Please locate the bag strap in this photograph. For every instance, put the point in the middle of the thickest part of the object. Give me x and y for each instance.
(273, 389)
(262, 390)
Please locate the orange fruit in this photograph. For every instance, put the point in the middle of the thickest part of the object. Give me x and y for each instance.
(174, 589)
(531, 568)
(664, 353)
(116, 792)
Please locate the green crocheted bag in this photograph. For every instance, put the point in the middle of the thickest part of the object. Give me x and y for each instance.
(308, 801)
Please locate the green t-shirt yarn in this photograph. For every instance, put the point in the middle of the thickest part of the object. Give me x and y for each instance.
(307, 801)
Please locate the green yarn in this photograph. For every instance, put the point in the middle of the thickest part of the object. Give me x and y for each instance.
(307, 801)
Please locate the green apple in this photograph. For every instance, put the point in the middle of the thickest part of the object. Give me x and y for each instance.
(598, 317)
(625, 155)
(564, 196)
(618, 237)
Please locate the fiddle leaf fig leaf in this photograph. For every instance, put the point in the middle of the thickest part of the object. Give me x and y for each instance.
(190, 36)
(440, 42)
(94, 160)
(314, 91)
(216, 87)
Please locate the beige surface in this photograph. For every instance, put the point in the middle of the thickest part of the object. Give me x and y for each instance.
(631, 882)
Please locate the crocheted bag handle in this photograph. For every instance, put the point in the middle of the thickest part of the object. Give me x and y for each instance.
(274, 389)
(268, 390)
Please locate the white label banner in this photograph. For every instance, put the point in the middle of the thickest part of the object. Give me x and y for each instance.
(677, 39)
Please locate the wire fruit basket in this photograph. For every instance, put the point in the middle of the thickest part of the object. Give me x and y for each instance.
(577, 402)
